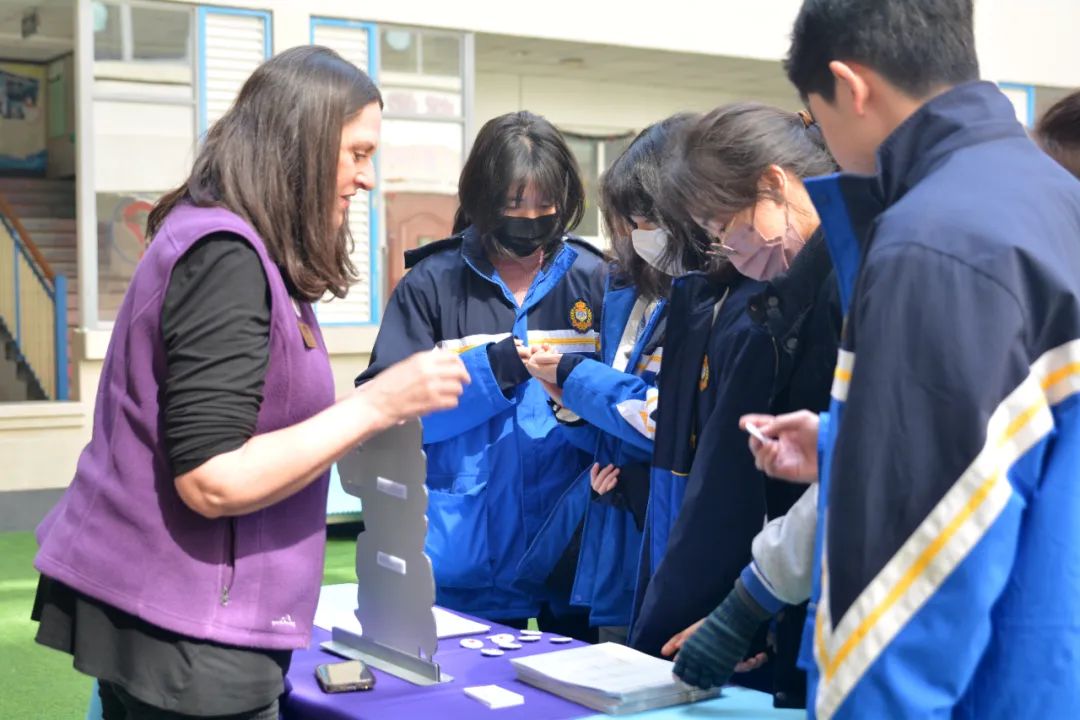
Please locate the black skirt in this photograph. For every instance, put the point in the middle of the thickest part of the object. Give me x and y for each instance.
(158, 667)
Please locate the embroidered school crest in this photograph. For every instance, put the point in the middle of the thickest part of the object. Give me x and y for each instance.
(704, 381)
(581, 316)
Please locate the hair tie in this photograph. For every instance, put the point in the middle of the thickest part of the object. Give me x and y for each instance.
(806, 117)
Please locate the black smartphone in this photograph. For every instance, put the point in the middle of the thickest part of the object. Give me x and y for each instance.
(344, 676)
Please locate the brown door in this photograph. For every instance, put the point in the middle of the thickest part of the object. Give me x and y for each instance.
(412, 220)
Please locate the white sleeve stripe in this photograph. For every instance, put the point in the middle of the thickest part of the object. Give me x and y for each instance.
(460, 345)
(639, 413)
(945, 537)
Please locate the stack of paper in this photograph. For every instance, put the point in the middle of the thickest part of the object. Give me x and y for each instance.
(610, 678)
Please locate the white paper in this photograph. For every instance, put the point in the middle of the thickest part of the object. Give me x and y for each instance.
(337, 608)
(451, 625)
(608, 668)
(495, 697)
(610, 678)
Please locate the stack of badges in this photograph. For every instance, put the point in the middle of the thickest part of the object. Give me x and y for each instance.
(530, 636)
(507, 641)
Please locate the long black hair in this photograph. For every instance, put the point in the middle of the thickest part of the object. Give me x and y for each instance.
(633, 185)
(509, 152)
(272, 159)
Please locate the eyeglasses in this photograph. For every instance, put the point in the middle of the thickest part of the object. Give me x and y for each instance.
(718, 246)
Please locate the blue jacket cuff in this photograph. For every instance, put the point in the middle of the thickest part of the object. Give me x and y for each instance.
(567, 363)
(506, 365)
(759, 591)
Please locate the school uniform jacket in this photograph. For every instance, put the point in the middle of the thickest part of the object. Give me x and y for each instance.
(947, 580)
(706, 499)
(496, 464)
(618, 406)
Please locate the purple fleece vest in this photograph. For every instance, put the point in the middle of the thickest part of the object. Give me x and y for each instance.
(122, 534)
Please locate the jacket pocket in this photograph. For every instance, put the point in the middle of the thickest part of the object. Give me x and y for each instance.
(457, 539)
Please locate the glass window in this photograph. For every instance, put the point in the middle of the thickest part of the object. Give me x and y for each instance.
(594, 155)
(108, 33)
(407, 101)
(143, 33)
(614, 148)
(121, 244)
(160, 34)
(423, 140)
(586, 153)
(144, 128)
(141, 151)
(442, 55)
(399, 51)
(419, 154)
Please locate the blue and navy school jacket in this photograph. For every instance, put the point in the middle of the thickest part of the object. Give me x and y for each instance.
(496, 464)
(947, 578)
(706, 499)
(618, 407)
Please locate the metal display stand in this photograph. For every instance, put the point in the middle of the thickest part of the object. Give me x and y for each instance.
(396, 590)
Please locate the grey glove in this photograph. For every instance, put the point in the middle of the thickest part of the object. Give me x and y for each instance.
(709, 656)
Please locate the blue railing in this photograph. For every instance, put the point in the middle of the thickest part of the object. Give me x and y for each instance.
(33, 310)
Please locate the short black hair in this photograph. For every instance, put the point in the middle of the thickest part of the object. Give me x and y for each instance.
(632, 186)
(509, 152)
(917, 45)
(1058, 132)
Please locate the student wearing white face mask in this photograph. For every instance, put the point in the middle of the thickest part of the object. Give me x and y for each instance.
(613, 399)
(706, 499)
(739, 171)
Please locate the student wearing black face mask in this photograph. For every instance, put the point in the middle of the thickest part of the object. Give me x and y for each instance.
(508, 280)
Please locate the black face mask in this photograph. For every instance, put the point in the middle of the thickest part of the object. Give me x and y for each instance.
(522, 236)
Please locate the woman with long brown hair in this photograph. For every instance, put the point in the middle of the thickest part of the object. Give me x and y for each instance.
(182, 566)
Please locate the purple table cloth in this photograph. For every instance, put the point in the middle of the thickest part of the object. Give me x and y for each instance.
(400, 700)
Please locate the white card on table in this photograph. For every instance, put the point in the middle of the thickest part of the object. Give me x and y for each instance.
(495, 697)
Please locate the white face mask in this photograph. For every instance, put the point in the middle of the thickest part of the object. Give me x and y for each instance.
(650, 245)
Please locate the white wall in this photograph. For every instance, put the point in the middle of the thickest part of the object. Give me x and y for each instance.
(1028, 41)
(1034, 42)
(589, 107)
(40, 442)
(721, 27)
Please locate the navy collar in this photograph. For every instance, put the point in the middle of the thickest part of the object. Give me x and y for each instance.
(473, 250)
(965, 115)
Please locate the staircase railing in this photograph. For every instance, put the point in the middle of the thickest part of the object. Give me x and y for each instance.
(33, 307)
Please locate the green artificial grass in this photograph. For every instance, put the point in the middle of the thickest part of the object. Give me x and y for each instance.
(35, 683)
(39, 684)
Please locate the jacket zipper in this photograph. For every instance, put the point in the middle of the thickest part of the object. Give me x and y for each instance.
(230, 568)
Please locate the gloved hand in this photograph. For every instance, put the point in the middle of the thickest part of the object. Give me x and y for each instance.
(709, 656)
